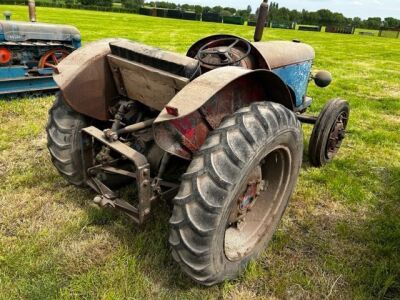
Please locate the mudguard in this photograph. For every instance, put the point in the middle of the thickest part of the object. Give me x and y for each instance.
(85, 80)
(202, 104)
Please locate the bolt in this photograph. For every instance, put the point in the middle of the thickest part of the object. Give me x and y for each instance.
(145, 172)
(145, 183)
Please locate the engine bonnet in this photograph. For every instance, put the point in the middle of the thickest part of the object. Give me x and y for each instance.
(281, 53)
(15, 31)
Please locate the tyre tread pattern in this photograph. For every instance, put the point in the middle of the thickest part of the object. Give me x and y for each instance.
(63, 140)
(198, 204)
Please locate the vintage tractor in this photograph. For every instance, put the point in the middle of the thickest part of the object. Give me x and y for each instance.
(218, 130)
(29, 52)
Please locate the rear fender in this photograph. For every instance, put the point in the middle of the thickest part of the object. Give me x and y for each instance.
(85, 80)
(202, 104)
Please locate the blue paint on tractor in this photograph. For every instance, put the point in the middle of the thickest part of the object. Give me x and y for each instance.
(296, 77)
(18, 80)
(29, 44)
(12, 72)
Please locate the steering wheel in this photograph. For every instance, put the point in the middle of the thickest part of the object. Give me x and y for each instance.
(225, 52)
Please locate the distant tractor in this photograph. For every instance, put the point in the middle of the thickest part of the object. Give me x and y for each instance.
(30, 52)
(218, 130)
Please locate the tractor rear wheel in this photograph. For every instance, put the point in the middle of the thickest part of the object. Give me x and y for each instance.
(64, 140)
(235, 191)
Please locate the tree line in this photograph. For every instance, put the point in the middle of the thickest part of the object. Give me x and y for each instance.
(322, 17)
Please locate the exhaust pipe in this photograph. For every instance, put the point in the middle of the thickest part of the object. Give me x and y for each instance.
(32, 10)
(261, 20)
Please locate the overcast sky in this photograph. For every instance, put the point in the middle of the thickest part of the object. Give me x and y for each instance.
(350, 8)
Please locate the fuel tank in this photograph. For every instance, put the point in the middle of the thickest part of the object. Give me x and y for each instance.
(291, 61)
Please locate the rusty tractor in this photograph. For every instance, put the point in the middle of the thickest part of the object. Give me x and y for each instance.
(217, 130)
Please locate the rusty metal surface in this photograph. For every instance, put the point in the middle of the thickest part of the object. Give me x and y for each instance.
(148, 85)
(208, 99)
(255, 59)
(167, 61)
(282, 53)
(142, 175)
(85, 80)
(266, 55)
(261, 20)
(32, 10)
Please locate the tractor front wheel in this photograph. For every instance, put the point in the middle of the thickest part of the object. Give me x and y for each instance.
(328, 132)
(64, 140)
(235, 191)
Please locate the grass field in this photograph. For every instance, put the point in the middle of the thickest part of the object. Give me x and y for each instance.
(339, 238)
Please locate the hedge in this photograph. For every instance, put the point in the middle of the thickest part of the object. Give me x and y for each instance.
(212, 17)
(309, 28)
(283, 25)
(233, 20)
(174, 14)
(189, 15)
(340, 29)
(161, 12)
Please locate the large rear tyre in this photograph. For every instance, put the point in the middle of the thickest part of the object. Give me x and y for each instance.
(235, 191)
(328, 132)
(64, 140)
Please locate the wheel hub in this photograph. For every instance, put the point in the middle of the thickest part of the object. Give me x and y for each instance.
(337, 135)
(246, 201)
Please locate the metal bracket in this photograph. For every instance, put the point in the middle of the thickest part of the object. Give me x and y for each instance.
(142, 176)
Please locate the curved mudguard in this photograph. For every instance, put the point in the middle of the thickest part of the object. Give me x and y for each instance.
(85, 80)
(202, 104)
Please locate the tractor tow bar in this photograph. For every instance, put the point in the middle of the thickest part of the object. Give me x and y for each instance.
(147, 191)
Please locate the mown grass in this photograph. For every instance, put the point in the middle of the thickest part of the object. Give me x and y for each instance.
(339, 239)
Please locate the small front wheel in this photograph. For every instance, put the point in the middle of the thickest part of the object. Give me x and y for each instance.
(328, 132)
(235, 191)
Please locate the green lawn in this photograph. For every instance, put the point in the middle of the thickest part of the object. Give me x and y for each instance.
(339, 238)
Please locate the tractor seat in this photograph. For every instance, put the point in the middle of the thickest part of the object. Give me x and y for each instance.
(160, 59)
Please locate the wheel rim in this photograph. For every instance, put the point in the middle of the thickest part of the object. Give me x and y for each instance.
(336, 135)
(259, 205)
(52, 58)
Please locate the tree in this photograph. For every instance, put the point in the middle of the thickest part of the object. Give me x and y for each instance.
(206, 9)
(198, 9)
(373, 23)
(133, 4)
(225, 12)
(217, 9)
(325, 17)
(243, 13)
(392, 23)
(249, 9)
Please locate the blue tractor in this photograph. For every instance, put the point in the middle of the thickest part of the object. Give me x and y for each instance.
(30, 52)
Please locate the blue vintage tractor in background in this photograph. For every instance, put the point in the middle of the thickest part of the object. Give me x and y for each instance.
(30, 51)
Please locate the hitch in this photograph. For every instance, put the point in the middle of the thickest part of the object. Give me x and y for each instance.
(146, 191)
